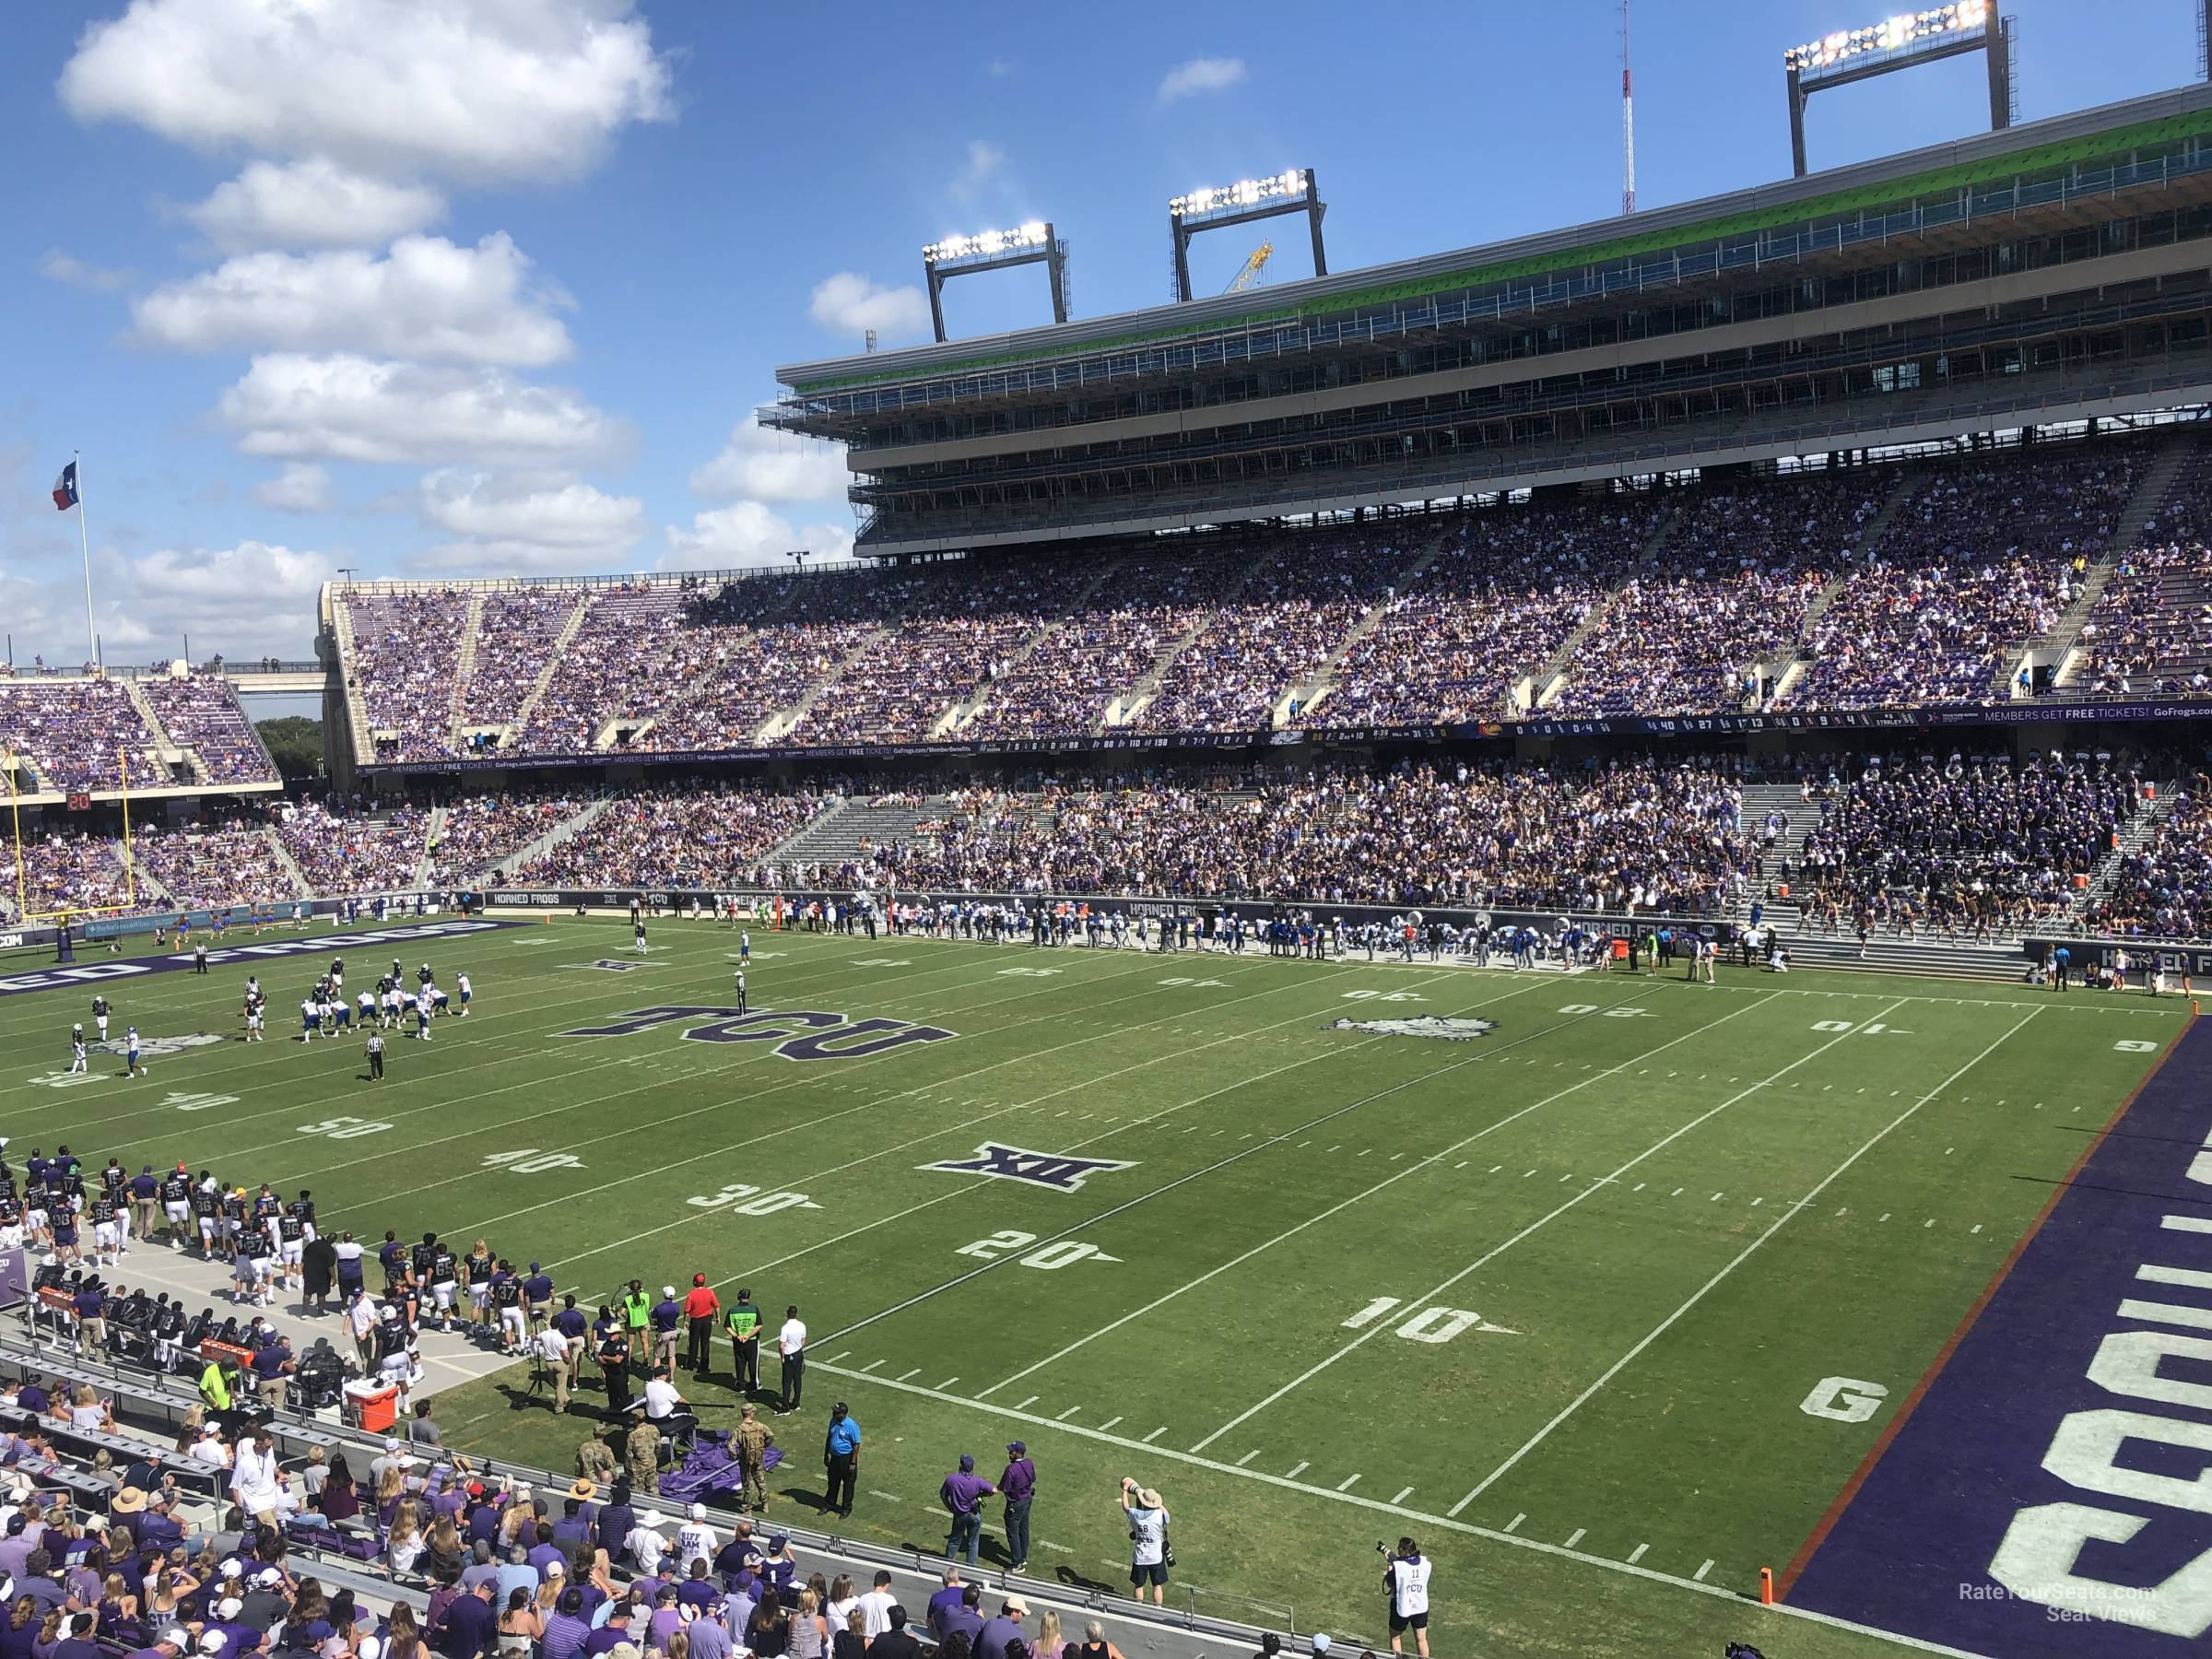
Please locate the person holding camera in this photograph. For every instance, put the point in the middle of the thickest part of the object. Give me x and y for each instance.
(1405, 1581)
(1149, 1557)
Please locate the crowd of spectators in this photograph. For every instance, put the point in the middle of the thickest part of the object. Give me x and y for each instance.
(64, 870)
(675, 835)
(1493, 607)
(2163, 889)
(1981, 559)
(1627, 835)
(516, 631)
(754, 650)
(1727, 595)
(221, 868)
(1977, 846)
(611, 668)
(1288, 619)
(2151, 630)
(340, 852)
(201, 713)
(481, 831)
(77, 734)
(407, 653)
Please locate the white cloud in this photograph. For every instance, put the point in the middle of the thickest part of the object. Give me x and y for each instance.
(1001, 68)
(302, 487)
(58, 266)
(849, 303)
(313, 203)
(353, 408)
(746, 533)
(240, 600)
(402, 89)
(984, 160)
(427, 299)
(1200, 75)
(771, 466)
(528, 524)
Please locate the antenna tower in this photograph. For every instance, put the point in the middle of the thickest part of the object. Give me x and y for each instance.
(1627, 122)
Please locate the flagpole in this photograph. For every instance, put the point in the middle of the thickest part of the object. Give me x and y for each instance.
(123, 764)
(84, 542)
(15, 808)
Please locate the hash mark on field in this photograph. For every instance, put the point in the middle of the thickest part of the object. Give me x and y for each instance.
(1495, 1168)
(1295, 1473)
(886, 1496)
(1068, 1413)
(1345, 1484)
(1461, 1165)
(1027, 1403)
(1526, 1173)
(1636, 1554)
(1576, 1536)
(1396, 1155)
(941, 1387)
(835, 1358)
(1715, 1198)
(905, 1375)
(1976, 1228)
(1699, 1575)
(1512, 1525)
(1637, 1187)
(1248, 1457)
(1156, 1434)
(1949, 1150)
(1337, 1147)
(1365, 1151)
(1677, 1192)
(1403, 1495)
(870, 1366)
(1757, 1201)
(1046, 1544)
(1570, 1176)
(1884, 1216)
(1109, 1423)
(1929, 1222)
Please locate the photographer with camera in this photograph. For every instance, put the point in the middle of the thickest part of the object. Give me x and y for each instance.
(1405, 1581)
(1151, 1555)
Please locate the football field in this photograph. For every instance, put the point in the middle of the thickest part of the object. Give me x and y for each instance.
(1604, 1288)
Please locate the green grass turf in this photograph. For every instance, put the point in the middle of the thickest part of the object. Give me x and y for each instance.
(1674, 1213)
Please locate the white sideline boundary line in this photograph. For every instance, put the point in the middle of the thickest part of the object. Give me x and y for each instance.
(1496, 1250)
(1411, 1169)
(1748, 1252)
(1376, 1505)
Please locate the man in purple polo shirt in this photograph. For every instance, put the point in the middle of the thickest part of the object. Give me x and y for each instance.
(962, 1496)
(1016, 1485)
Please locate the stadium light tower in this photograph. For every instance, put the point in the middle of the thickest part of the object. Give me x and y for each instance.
(1033, 244)
(1295, 189)
(1904, 41)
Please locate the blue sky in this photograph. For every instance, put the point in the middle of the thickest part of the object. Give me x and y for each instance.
(491, 286)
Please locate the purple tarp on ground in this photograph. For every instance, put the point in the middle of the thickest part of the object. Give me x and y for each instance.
(2052, 1493)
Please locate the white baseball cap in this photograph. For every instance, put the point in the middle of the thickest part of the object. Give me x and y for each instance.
(699, 1511)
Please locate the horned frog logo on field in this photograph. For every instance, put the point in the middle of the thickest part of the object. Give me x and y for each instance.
(1450, 1027)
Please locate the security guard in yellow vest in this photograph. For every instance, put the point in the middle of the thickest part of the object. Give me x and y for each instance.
(636, 1314)
(742, 1320)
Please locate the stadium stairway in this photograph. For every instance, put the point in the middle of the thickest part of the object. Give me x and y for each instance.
(567, 829)
(1301, 700)
(1760, 799)
(960, 713)
(143, 880)
(1551, 678)
(1130, 703)
(779, 724)
(166, 746)
(356, 706)
(2133, 834)
(2058, 646)
(554, 658)
(301, 888)
(465, 673)
(835, 836)
(433, 832)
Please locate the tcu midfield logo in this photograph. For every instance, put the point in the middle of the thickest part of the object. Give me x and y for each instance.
(798, 1033)
(1054, 1170)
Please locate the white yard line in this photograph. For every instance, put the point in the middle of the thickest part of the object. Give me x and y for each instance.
(1542, 1221)
(1749, 1249)
(1370, 1192)
(1375, 1505)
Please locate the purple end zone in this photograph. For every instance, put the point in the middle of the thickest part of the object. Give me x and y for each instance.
(334, 943)
(2052, 1492)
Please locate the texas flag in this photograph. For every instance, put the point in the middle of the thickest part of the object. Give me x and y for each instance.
(65, 489)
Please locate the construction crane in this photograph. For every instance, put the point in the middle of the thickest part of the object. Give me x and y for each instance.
(1252, 268)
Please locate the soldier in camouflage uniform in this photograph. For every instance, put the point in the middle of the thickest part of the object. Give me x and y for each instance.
(750, 1444)
(596, 1459)
(641, 1454)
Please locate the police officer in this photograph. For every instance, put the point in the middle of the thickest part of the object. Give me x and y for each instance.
(752, 1442)
(614, 1365)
